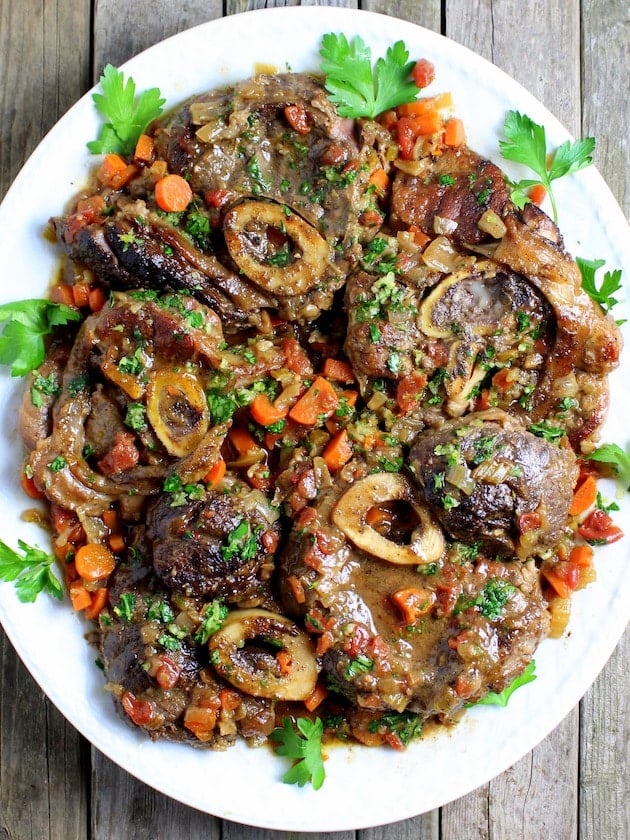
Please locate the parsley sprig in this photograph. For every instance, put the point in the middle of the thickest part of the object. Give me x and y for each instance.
(357, 89)
(526, 143)
(31, 573)
(617, 458)
(611, 283)
(127, 116)
(501, 699)
(29, 322)
(305, 747)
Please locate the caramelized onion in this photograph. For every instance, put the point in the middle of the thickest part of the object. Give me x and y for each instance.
(244, 652)
(350, 516)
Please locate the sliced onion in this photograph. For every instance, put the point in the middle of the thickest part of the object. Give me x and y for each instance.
(444, 226)
(492, 224)
(459, 476)
(441, 255)
(350, 516)
(243, 653)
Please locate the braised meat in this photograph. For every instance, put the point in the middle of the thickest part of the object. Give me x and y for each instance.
(402, 634)
(215, 546)
(487, 478)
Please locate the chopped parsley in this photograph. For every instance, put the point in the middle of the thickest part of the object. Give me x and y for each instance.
(213, 617)
(241, 542)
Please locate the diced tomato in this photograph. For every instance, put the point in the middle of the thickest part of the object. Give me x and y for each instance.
(599, 528)
(423, 73)
(563, 577)
(167, 673)
(298, 118)
(122, 456)
(358, 641)
(528, 522)
(297, 360)
(141, 712)
(409, 390)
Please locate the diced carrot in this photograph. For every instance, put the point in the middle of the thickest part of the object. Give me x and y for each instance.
(420, 238)
(426, 105)
(173, 194)
(62, 293)
(215, 474)
(80, 597)
(413, 602)
(338, 371)
(297, 589)
(379, 179)
(99, 602)
(503, 379)
(110, 519)
(298, 118)
(242, 440)
(81, 294)
(316, 697)
(145, 149)
(560, 584)
(584, 497)
(538, 194)
(285, 661)
(116, 543)
(91, 207)
(29, 487)
(370, 218)
(454, 133)
(338, 451)
(409, 129)
(158, 169)
(200, 721)
(111, 166)
(423, 72)
(94, 561)
(581, 555)
(96, 299)
(318, 403)
(264, 412)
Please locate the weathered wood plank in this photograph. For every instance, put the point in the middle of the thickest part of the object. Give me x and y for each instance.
(122, 29)
(427, 13)
(42, 758)
(520, 803)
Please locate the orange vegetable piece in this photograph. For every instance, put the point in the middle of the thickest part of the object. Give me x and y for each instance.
(423, 73)
(584, 497)
(215, 474)
(298, 118)
(94, 561)
(173, 194)
(338, 451)
(454, 133)
(115, 172)
(320, 401)
(62, 293)
(538, 194)
(338, 371)
(80, 597)
(263, 411)
(81, 294)
(582, 556)
(116, 543)
(379, 179)
(241, 440)
(316, 697)
(297, 359)
(285, 661)
(145, 149)
(413, 602)
(29, 487)
(100, 597)
(96, 299)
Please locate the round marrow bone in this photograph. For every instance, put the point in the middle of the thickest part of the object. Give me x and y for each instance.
(178, 411)
(244, 652)
(350, 515)
(245, 228)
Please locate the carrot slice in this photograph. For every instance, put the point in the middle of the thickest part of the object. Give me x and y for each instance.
(215, 474)
(173, 194)
(338, 371)
(263, 411)
(454, 133)
(80, 597)
(94, 561)
(584, 497)
(338, 451)
(145, 149)
(241, 440)
(316, 697)
(100, 598)
(318, 403)
(379, 179)
(581, 555)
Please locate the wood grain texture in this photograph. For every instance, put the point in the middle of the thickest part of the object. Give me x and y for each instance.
(50, 785)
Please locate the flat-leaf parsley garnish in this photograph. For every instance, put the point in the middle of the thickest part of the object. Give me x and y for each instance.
(31, 573)
(305, 747)
(526, 143)
(127, 116)
(357, 89)
(29, 322)
(493, 698)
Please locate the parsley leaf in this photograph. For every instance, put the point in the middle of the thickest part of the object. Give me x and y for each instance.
(501, 699)
(305, 747)
(610, 284)
(526, 143)
(32, 573)
(22, 341)
(619, 460)
(358, 90)
(127, 116)
(213, 617)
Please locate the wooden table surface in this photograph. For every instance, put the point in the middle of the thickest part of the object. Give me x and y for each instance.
(573, 55)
